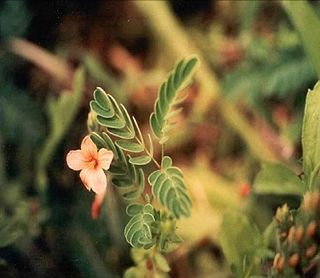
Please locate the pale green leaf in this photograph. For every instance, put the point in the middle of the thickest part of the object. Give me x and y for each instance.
(161, 262)
(166, 162)
(169, 188)
(275, 178)
(240, 239)
(311, 132)
(138, 231)
(168, 98)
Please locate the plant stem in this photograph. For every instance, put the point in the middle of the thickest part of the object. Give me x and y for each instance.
(162, 151)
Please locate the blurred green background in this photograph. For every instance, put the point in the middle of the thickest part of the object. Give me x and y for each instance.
(246, 106)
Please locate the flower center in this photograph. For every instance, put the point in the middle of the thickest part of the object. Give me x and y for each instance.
(93, 163)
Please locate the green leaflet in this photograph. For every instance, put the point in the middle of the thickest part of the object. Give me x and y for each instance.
(130, 146)
(140, 160)
(168, 97)
(138, 231)
(134, 209)
(166, 162)
(169, 188)
(311, 135)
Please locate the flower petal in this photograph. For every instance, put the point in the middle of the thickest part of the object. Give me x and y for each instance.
(105, 157)
(89, 148)
(76, 160)
(94, 179)
(84, 178)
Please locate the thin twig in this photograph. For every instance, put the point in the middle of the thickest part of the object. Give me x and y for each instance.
(54, 66)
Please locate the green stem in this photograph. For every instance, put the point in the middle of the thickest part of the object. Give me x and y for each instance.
(162, 151)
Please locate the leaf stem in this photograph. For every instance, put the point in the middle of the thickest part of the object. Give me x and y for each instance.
(162, 151)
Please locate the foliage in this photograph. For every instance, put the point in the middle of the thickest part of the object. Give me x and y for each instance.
(296, 244)
(14, 19)
(116, 130)
(168, 98)
(248, 47)
(303, 16)
(168, 186)
(311, 137)
(9, 231)
(119, 124)
(277, 179)
(276, 72)
(242, 244)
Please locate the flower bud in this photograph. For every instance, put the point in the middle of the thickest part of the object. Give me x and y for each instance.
(92, 122)
(282, 213)
(278, 262)
(307, 202)
(311, 229)
(315, 200)
(311, 251)
(293, 260)
(299, 234)
(291, 235)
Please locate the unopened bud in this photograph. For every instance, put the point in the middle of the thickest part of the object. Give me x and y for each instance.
(291, 235)
(280, 265)
(92, 122)
(307, 202)
(282, 213)
(299, 234)
(311, 251)
(311, 229)
(315, 200)
(278, 262)
(293, 260)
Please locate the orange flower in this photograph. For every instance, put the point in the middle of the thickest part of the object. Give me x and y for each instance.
(91, 162)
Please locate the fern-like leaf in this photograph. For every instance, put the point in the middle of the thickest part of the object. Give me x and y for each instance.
(138, 231)
(115, 118)
(169, 188)
(168, 98)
